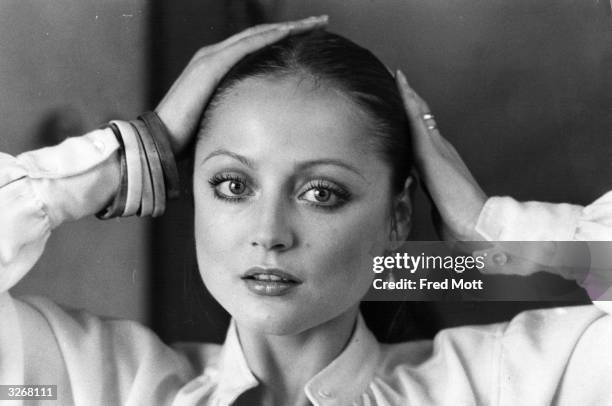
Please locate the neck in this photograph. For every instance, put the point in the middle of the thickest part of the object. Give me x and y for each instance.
(284, 364)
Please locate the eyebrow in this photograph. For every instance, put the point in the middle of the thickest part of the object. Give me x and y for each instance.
(240, 158)
(302, 166)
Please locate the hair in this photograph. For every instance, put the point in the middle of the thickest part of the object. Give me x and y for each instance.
(331, 60)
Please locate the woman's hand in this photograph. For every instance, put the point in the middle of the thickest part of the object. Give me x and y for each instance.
(181, 108)
(447, 180)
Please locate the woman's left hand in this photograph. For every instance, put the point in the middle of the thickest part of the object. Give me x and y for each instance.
(448, 181)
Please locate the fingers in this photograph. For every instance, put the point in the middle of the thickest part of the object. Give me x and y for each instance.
(417, 109)
(307, 24)
(291, 26)
(259, 38)
(451, 186)
(261, 33)
(414, 103)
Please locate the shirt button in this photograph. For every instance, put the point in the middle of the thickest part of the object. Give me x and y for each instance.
(99, 145)
(500, 259)
(325, 394)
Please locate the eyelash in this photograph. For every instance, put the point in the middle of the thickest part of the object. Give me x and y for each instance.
(218, 179)
(342, 194)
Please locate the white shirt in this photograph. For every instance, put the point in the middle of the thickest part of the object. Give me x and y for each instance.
(545, 357)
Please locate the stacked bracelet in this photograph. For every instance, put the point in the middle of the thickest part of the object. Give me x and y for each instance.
(134, 170)
(159, 134)
(154, 168)
(146, 200)
(117, 206)
(148, 170)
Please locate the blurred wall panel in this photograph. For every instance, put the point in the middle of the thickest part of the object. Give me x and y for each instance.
(182, 308)
(66, 66)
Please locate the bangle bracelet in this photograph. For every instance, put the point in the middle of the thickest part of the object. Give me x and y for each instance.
(146, 200)
(117, 206)
(155, 168)
(134, 171)
(160, 135)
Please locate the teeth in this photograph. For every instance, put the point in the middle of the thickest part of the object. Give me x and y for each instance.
(269, 277)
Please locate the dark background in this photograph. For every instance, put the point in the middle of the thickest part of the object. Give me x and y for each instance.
(522, 88)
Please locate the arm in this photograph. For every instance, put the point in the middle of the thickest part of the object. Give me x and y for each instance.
(39, 190)
(569, 240)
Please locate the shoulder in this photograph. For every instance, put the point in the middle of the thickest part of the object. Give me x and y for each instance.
(480, 361)
(103, 358)
(558, 326)
(107, 343)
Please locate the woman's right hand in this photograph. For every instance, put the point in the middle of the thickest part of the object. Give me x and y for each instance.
(181, 108)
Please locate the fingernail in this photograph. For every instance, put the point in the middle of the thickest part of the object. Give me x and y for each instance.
(317, 19)
(401, 77)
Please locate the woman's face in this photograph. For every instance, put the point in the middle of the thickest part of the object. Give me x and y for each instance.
(291, 204)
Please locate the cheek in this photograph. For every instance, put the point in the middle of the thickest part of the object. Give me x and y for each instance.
(216, 235)
(346, 248)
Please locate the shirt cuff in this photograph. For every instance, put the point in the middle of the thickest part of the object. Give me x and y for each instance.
(505, 219)
(64, 179)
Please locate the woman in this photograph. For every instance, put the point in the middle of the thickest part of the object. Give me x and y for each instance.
(301, 176)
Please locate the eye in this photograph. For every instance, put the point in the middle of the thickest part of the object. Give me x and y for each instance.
(322, 195)
(230, 187)
(325, 194)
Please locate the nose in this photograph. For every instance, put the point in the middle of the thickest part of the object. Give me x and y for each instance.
(273, 229)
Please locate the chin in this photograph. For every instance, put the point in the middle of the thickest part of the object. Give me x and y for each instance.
(280, 322)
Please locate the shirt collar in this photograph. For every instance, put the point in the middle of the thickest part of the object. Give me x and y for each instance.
(350, 374)
(339, 383)
(234, 377)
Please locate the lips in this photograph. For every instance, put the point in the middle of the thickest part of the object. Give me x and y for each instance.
(269, 281)
(270, 274)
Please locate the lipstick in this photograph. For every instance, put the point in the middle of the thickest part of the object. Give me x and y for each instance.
(269, 281)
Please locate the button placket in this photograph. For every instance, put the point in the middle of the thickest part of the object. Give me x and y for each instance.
(325, 394)
(99, 146)
(500, 259)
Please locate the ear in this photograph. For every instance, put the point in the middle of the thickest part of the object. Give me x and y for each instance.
(402, 212)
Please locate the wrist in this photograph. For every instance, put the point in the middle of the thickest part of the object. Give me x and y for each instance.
(148, 170)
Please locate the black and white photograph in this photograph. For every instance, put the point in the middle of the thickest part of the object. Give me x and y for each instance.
(306, 202)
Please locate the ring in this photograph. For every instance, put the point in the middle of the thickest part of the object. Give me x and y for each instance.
(430, 122)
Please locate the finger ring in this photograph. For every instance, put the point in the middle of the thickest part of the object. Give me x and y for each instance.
(430, 122)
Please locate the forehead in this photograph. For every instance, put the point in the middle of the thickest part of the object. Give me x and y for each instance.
(292, 116)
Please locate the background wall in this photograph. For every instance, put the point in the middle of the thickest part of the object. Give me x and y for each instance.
(67, 66)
